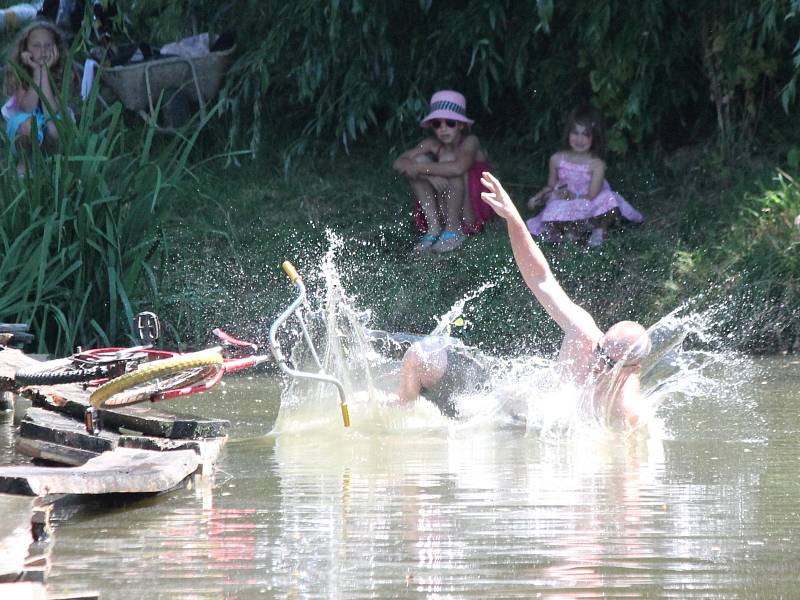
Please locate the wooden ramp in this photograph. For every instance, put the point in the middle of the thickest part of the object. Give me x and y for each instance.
(53, 429)
(122, 471)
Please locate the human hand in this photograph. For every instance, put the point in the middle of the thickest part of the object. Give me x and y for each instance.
(497, 197)
(562, 192)
(51, 58)
(535, 201)
(27, 59)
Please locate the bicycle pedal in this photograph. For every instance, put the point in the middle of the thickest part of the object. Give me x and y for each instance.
(148, 327)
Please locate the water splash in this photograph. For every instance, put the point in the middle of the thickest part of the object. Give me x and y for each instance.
(522, 391)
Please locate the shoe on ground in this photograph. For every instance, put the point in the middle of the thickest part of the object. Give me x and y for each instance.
(425, 243)
(448, 241)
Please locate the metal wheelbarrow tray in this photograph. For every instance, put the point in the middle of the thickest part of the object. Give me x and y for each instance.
(195, 79)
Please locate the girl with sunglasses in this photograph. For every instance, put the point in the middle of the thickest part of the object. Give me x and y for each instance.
(577, 199)
(444, 173)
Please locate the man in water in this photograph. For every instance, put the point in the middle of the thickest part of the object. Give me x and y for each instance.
(610, 362)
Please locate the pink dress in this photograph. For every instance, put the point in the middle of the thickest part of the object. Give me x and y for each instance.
(577, 177)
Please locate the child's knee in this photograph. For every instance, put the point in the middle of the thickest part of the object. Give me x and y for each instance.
(424, 159)
(24, 129)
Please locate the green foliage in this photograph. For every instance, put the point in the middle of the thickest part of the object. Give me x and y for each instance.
(340, 70)
(80, 229)
(760, 269)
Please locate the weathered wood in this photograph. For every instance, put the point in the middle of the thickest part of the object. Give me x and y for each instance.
(122, 471)
(48, 426)
(54, 453)
(157, 423)
(208, 449)
(10, 361)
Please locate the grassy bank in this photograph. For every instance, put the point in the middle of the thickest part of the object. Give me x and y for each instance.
(713, 238)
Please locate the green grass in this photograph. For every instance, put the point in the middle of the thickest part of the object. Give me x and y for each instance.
(708, 241)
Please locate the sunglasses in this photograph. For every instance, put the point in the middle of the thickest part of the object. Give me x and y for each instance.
(437, 123)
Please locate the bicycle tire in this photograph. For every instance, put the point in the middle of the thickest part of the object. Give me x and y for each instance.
(61, 370)
(146, 382)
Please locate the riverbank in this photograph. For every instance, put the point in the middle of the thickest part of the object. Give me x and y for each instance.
(715, 238)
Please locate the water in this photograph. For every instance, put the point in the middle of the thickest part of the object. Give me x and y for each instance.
(407, 504)
(708, 508)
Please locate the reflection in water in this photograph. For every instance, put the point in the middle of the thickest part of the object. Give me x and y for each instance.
(407, 504)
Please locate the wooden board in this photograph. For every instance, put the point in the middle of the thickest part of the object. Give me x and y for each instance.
(122, 471)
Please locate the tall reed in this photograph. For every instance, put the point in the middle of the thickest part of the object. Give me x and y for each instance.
(80, 229)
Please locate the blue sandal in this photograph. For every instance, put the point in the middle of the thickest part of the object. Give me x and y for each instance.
(425, 242)
(449, 240)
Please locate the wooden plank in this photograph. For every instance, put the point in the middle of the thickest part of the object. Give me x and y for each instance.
(122, 471)
(157, 423)
(54, 453)
(48, 426)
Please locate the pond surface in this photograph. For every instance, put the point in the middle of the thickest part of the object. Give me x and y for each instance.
(706, 504)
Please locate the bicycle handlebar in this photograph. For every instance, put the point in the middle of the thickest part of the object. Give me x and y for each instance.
(290, 271)
(280, 359)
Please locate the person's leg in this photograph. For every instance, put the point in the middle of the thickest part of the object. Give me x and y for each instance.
(600, 225)
(426, 196)
(22, 144)
(50, 137)
(453, 201)
(421, 368)
(467, 210)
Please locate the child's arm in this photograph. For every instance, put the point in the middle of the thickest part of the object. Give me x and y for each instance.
(465, 156)
(404, 163)
(28, 98)
(598, 175)
(552, 181)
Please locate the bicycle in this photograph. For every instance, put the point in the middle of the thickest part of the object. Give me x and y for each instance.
(123, 390)
(125, 376)
(146, 382)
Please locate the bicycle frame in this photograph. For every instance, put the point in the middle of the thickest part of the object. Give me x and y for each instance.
(295, 309)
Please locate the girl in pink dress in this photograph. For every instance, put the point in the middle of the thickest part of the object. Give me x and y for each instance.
(444, 171)
(577, 198)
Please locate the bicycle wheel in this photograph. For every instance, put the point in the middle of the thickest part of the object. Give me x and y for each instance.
(62, 370)
(157, 377)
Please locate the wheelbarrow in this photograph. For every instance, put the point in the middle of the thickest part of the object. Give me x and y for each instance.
(169, 86)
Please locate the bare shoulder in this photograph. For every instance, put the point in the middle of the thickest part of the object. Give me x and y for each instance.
(598, 165)
(556, 158)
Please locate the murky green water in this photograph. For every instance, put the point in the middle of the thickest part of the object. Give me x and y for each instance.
(707, 505)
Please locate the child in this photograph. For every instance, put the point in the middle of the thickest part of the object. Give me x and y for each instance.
(37, 52)
(444, 173)
(577, 197)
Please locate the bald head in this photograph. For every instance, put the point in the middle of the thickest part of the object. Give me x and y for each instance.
(627, 341)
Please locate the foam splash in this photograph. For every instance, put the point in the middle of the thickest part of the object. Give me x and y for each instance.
(519, 392)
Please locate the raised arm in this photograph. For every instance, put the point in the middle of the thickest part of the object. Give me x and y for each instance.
(532, 263)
